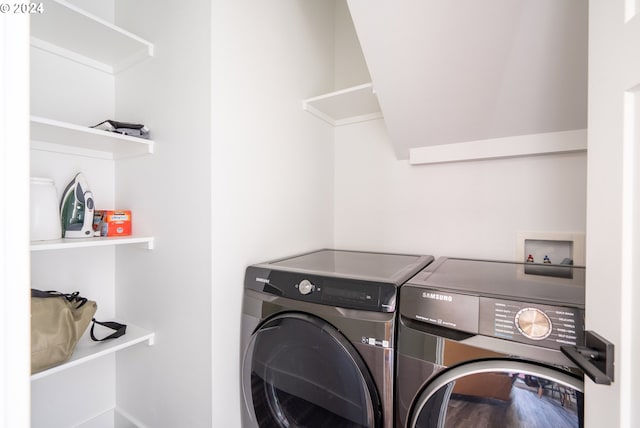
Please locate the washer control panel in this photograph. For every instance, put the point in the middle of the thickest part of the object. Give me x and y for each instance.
(542, 325)
(532, 323)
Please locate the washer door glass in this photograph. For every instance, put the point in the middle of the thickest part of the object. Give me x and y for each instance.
(299, 371)
(504, 393)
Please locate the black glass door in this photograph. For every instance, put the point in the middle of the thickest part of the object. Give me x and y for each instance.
(299, 371)
(500, 393)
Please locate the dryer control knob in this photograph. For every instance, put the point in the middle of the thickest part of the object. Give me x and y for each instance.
(533, 323)
(305, 286)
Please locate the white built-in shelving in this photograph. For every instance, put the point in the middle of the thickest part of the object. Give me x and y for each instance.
(87, 350)
(61, 137)
(345, 106)
(77, 35)
(102, 45)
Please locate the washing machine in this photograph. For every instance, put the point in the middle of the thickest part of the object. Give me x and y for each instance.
(318, 339)
(479, 345)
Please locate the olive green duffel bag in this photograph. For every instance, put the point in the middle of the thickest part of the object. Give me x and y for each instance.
(58, 321)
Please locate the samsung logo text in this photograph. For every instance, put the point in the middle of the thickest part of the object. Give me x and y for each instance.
(437, 296)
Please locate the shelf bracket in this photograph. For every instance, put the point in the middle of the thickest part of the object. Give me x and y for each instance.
(150, 244)
(151, 340)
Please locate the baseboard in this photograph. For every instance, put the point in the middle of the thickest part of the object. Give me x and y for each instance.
(112, 418)
(122, 419)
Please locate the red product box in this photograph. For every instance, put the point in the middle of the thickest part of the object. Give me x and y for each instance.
(113, 222)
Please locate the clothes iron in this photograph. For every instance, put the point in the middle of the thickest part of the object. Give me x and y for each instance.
(76, 209)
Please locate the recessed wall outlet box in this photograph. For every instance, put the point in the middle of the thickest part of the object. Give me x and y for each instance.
(550, 253)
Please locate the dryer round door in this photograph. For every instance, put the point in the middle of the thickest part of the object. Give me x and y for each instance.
(504, 393)
(299, 371)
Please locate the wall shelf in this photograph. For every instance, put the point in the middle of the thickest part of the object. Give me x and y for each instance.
(499, 148)
(88, 350)
(350, 105)
(69, 243)
(61, 137)
(87, 38)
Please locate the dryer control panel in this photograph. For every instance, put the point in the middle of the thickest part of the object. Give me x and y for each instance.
(338, 292)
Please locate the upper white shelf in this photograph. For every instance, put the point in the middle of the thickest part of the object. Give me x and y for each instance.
(87, 350)
(499, 148)
(65, 243)
(355, 104)
(62, 137)
(66, 30)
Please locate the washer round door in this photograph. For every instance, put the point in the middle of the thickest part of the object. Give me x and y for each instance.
(504, 393)
(299, 371)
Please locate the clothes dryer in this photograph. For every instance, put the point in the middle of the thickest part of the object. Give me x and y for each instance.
(479, 346)
(318, 339)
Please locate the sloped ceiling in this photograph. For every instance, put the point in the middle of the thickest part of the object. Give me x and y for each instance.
(450, 71)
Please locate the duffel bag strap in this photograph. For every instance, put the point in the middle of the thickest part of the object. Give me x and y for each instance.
(120, 329)
(71, 297)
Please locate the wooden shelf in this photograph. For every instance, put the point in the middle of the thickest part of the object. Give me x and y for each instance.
(61, 137)
(350, 105)
(88, 350)
(73, 33)
(69, 243)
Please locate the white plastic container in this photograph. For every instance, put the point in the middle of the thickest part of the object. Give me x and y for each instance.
(45, 213)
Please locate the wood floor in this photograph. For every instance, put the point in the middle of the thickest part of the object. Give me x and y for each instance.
(525, 410)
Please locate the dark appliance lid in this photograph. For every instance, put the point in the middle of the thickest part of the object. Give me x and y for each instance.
(369, 266)
(348, 279)
(556, 284)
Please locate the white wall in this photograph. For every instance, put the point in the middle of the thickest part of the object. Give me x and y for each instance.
(167, 289)
(612, 211)
(272, 162)
(14, 230)
(69, 92)
(465, 209)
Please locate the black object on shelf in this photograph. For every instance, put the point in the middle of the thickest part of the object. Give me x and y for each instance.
(124, 128)
(596, 358)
